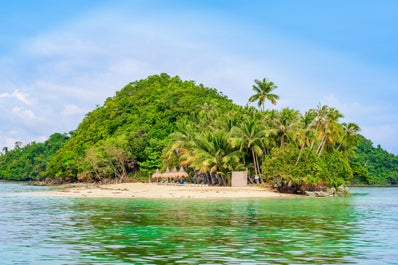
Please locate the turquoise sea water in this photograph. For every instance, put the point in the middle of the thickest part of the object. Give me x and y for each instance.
(51, 230)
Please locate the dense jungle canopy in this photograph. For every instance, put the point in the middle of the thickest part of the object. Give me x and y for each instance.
(165, 122)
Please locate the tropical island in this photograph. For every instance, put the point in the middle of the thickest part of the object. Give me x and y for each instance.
(162, 122)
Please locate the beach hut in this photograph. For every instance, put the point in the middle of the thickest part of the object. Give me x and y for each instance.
(170, 175)
(181, 173)
(157, 175)
(166, 175)
(173, 174)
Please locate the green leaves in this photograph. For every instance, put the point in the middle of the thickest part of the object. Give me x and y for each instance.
(29, 162)
(263, 89)
(381, 167)
(108, 159)
(145, 112)
(312, 172)
(163, 121)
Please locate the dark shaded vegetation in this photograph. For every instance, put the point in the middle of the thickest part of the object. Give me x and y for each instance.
(380, 166)
(30, 162)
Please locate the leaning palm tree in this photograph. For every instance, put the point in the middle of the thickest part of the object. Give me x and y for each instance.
(306, 132)
(179, 143)
(285, 123)
(350, 130)
(250, 136)
(330, 129)
(212, 154)
(350, 138)
(263, 89)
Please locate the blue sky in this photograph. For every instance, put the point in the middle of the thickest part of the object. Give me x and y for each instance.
(59, 59)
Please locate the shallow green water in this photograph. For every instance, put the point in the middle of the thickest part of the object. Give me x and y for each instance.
(50, 230)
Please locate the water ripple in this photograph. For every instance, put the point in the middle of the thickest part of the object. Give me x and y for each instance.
(357, 230)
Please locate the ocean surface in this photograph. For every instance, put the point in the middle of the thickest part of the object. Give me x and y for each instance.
(362, 229)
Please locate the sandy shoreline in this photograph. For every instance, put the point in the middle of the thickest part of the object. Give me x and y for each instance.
(156, 191)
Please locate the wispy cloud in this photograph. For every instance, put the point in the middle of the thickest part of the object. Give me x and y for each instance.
(23, 114)
(67, 70)
(20, 96)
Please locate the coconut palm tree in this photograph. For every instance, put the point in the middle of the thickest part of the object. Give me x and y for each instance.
(329, 129)
(285, 123)
(350, 138)
(179, 143)
(250, 136)
(306, 132)
(5, 149)
(210, 152)
(263, 91)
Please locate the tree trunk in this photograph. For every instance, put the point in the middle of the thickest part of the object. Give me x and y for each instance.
(299, 156)
(338, 148)
(207, 179)
(321, 145)
(254, 163)
(258, 169)
(249, 179)
(258, 165)
(223, 181)
(212, 179)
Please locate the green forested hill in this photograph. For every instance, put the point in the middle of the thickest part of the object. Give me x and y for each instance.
(163, 121)
(130, 130)
(30, 162)
(382, 166)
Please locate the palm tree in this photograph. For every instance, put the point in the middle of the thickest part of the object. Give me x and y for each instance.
(250, 136)
(212, 154)
(329, 128)
(285, 123)
(263, 91)
(5, 149)
(305, 132)
(350, 138)
(272, 134)
(179, 143)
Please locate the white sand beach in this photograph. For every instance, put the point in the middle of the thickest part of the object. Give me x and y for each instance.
(157, 191)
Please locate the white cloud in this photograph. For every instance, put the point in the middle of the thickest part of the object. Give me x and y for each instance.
(72, 68)
(18, 95)
(22, 97)
(7, 141)
(24, 114)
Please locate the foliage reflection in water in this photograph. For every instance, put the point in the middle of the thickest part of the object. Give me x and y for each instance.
(198, 232)
(272, 231)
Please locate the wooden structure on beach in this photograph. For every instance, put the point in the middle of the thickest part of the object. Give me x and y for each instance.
(239, 179)
(170, 175)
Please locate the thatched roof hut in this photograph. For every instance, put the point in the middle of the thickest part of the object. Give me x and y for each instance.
(166, 174)
(157, 174)
(181, 173)
(172, 173)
